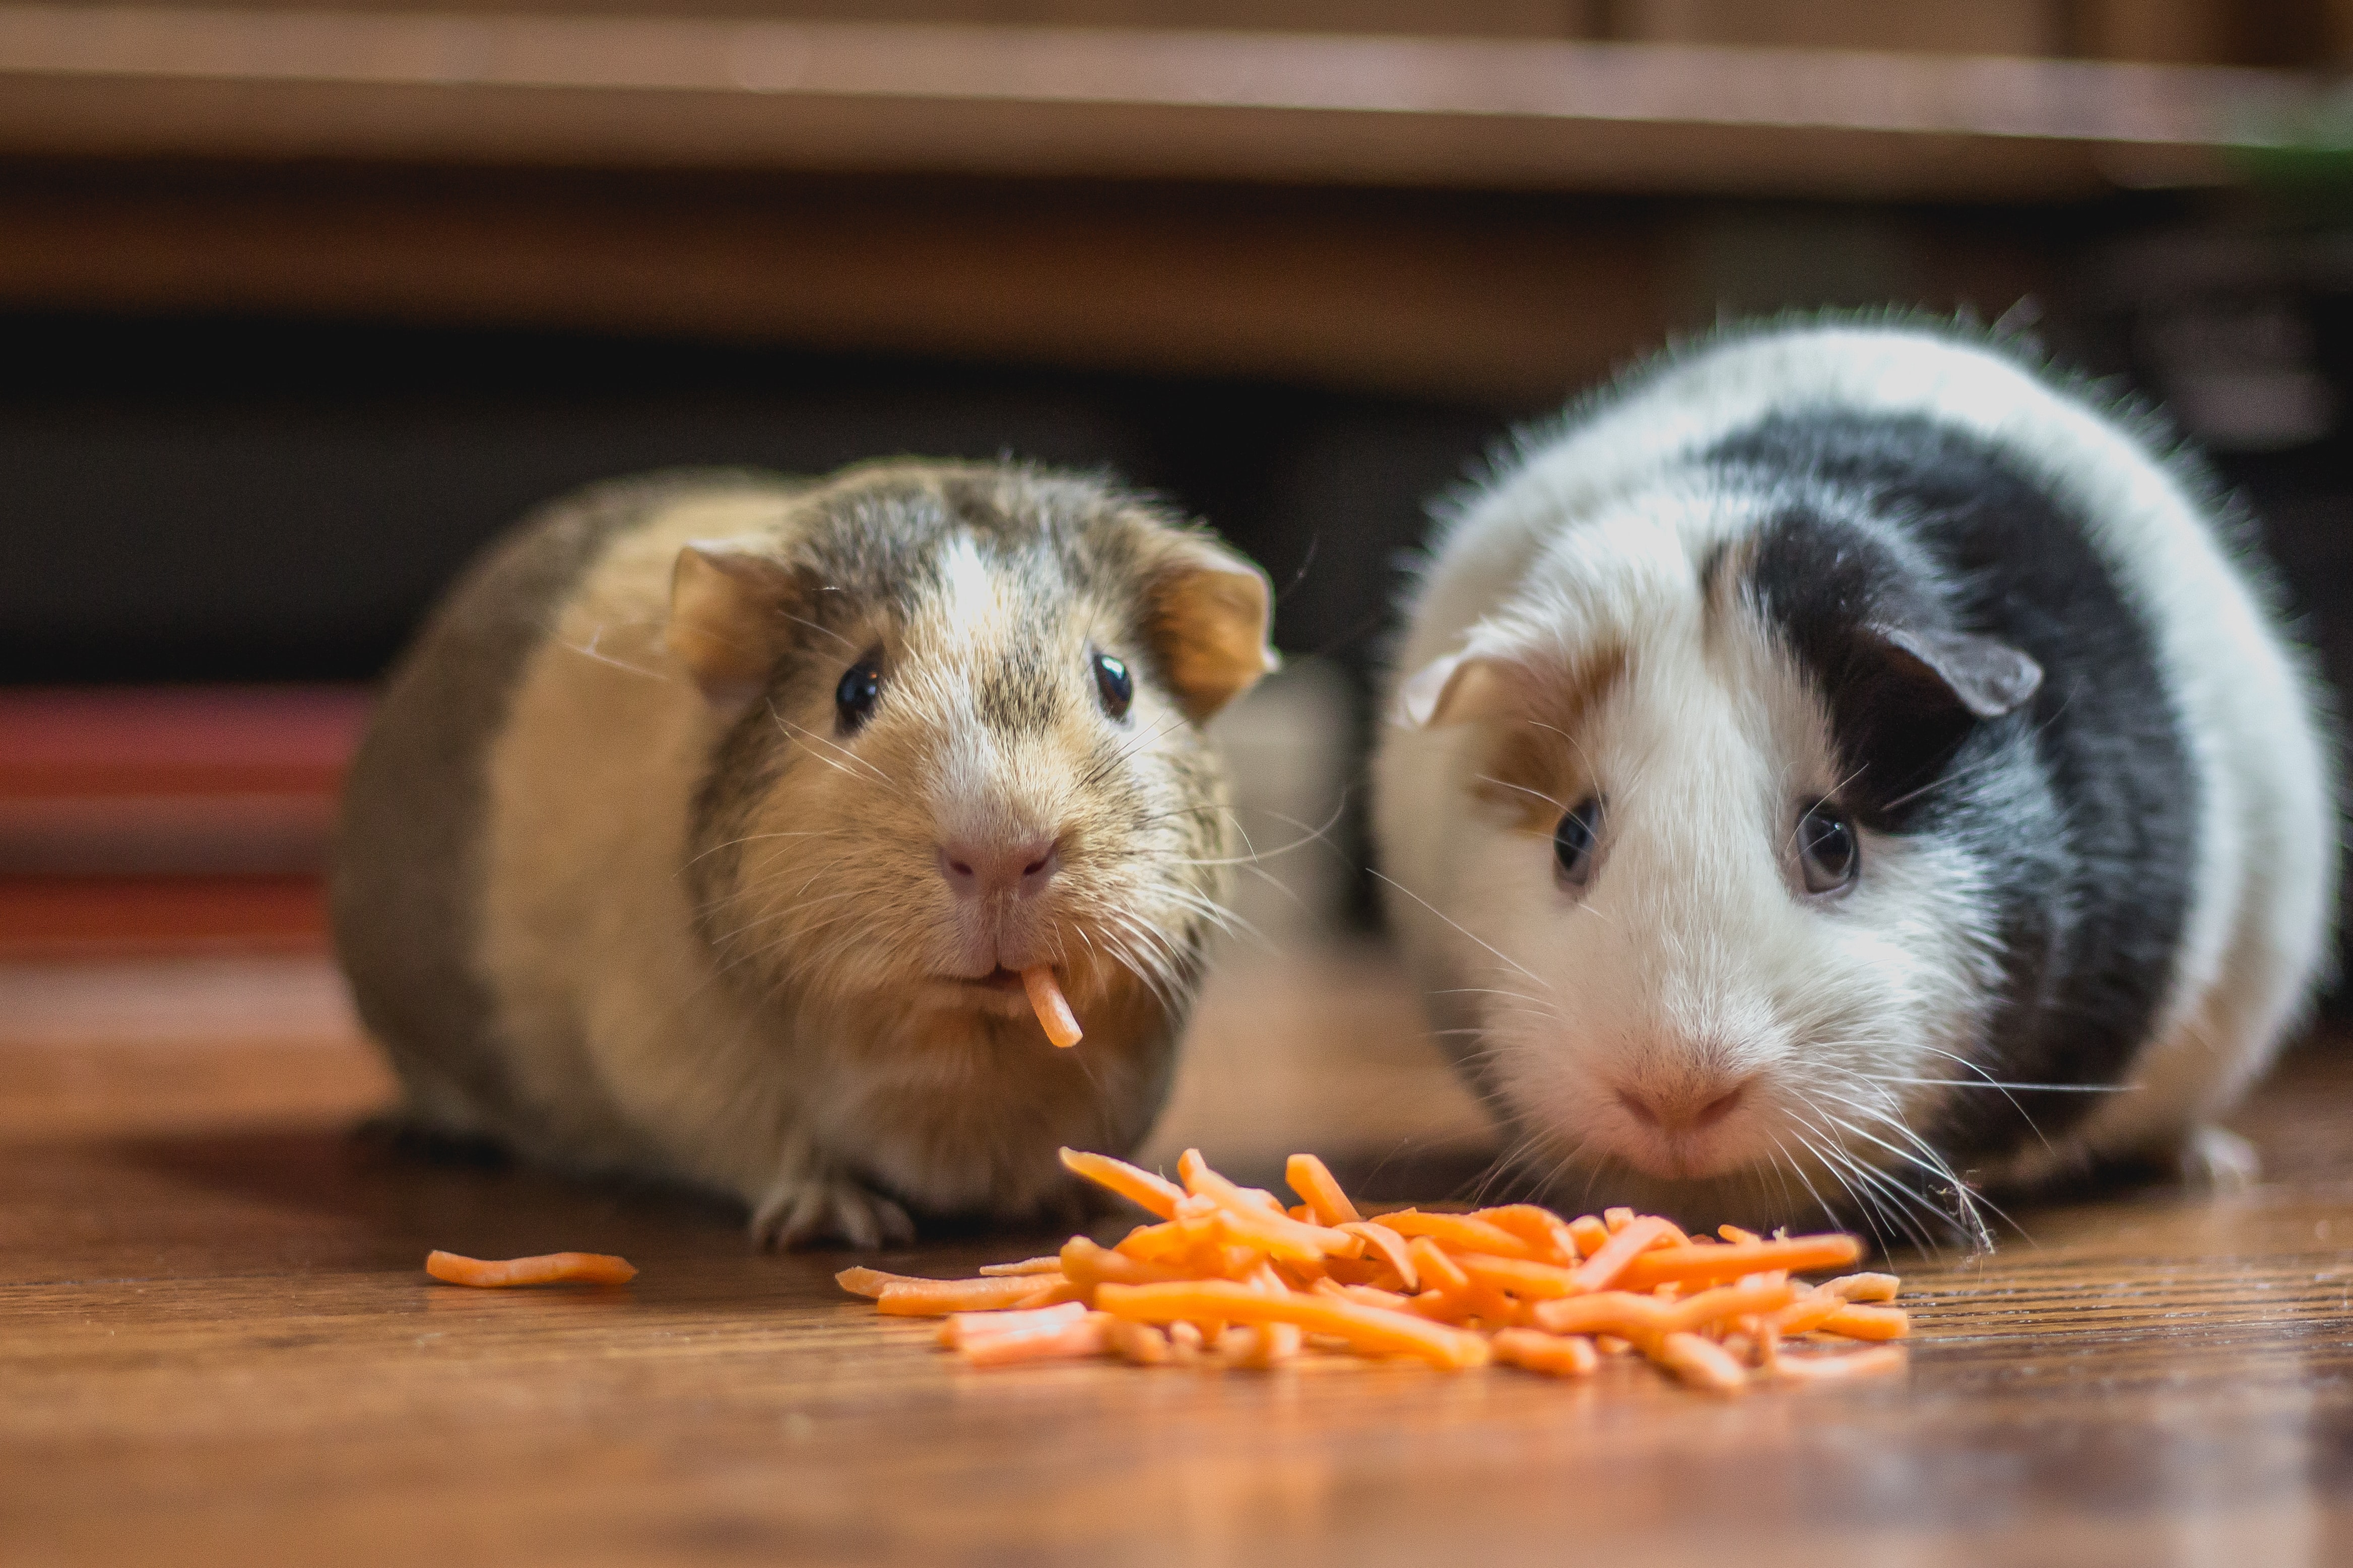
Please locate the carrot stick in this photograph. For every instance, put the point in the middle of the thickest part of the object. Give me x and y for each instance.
(1868, 1322)
(1703, 1364)
(1083, 1337)
(1620, 1313)
(1390, 1246)
(864, 1281)
(1846, 1364)
(1046, 1264)
(937, 1297)
(1529, 1281)
(1259, 1220)
(1807, 1313)
(1588, 1233)
(1748, 1298)
(1715, 1265)
(1366, 1328)
(1053, 1291)
(1617, 1255)
(960, 1328)
(1439, 1271)
(1139, 1187)
(1863, 1287)
(1139, 1343)
(1311, 1180)
(547, 1268)
(1558, 1355)
(1280, 1235)
(1365, 1296)
(1053, 1009)
(1202, 1181)
(1458, 1231)
(1541, 1229)
(1084, 1263)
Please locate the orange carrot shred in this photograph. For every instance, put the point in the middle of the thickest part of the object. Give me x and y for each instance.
(1617, 1255)
(1047, 1265)
(1141, 1187)
(546, 1269)
(1311, 1180)
(1863, 1287)
(1871, 1363)
(1561, 1356)
(1053, 1009)
(937, 1297)
(1695, 1265)
(1390, 1246)
(1703, 1364)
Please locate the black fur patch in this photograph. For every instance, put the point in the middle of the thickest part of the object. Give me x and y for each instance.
(2081, 805)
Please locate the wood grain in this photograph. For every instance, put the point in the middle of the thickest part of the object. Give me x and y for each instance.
(719, 92)
(221, 1347)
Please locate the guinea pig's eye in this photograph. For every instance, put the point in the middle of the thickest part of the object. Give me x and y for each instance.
(1113, 684)
(854, 699)
(1828, 850)
(1576, 839)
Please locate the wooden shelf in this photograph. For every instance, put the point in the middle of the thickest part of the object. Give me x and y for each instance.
(647, 92)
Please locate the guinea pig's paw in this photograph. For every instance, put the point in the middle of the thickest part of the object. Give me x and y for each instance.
(803, 1210)
(2219, 1161)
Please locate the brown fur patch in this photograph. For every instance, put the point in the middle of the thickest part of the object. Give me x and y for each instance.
(1534, 771)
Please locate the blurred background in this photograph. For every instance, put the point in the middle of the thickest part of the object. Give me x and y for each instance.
(301, 303)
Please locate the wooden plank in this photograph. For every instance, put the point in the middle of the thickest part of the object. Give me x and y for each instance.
(220, 1349)
(1128, 103)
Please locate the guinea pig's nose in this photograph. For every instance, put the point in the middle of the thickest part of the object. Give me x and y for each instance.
(977, 871)
(1691, 1106)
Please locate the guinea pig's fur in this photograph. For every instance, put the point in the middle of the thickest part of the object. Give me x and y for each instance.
(1875, 573)
(631, 880)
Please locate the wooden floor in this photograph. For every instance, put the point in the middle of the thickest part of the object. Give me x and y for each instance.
(216, 1346)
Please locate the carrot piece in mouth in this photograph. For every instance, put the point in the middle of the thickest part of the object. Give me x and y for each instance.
(1053, 1009)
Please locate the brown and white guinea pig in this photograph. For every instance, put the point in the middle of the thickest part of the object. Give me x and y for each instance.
(701, 835)
(1839, 766)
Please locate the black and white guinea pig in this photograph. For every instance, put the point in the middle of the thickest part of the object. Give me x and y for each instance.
(704, 832)
(1841, 767)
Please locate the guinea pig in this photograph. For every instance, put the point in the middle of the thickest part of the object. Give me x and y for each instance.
(702, 833)
(1843, 766)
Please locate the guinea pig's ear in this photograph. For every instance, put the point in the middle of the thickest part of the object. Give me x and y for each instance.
(1458, 689)
(1210, 610)
(1987, 677)
(725, 595)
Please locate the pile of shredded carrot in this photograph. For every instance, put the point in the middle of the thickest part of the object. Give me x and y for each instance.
(1230, 1277)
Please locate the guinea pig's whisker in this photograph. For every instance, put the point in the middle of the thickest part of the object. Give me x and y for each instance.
(859, 767)
(1991, 1082)
(747, 838)
(823, 631)
(724, 937)
(1799, 1171)
(1553, 729)
(1840, 1163)
(1506, 783)
(1954, 776)
(1997, 1083)
(1458, 925)
(590, 649)
(1104, 770)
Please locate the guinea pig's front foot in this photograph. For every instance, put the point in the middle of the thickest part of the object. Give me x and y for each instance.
(807, 1209)
(2216, 1161)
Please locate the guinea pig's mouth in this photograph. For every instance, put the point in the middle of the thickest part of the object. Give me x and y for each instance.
(999, 992)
